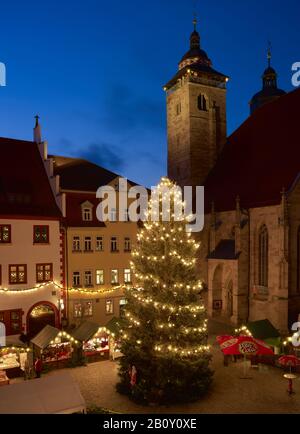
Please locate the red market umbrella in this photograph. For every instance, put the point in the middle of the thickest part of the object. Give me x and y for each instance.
(221, 339)
(289, 360)
(245, 345)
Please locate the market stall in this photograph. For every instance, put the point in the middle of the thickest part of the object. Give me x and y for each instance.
(55, 347)
(94, 340)
(13, 361)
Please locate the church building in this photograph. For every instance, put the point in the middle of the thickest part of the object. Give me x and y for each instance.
(250, 246)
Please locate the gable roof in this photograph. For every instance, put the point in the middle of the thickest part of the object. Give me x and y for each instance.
(24, 184)
(262, 329)
(85, 331)
(259, 159)
(81, 175)
(45, 336)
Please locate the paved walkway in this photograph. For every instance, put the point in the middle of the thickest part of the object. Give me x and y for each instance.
(264, 393)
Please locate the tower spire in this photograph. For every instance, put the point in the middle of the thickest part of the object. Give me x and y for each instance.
(195, 21)
(269, 56)
(37, 134)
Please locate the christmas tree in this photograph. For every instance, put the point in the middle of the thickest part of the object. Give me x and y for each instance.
(166, 356)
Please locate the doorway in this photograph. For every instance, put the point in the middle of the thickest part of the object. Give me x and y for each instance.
(39, 316)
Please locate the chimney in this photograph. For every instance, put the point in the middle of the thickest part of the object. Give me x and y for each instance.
(37, 134)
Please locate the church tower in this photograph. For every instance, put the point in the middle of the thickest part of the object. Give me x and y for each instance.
(196, 116)
(270, 90)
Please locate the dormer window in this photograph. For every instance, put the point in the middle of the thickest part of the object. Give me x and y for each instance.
(87, 211)
(202, 103)
(87, 214)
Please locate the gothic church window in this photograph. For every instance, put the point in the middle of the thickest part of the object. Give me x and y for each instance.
(263, 256)
(202, 103)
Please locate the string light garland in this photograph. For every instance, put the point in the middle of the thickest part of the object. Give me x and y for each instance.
(243, 329)
(63, 335)
(53, 283)
(33, 289)
(17, 349)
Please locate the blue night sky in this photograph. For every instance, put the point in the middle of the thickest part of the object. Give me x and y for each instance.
(94, 70)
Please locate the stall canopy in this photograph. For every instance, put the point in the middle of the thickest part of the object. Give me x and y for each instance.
(54, 394)
(115, 325)
(45, 336)
(85, 331)
(265, 331)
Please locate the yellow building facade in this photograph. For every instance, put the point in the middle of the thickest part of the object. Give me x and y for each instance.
(97, 254)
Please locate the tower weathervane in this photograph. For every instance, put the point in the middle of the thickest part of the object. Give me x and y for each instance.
(195, 14)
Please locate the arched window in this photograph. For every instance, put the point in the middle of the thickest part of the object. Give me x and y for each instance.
(202, 103)
(263, 256)
(298, 259)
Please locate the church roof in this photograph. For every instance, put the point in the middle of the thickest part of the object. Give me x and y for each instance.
(198, 68)
(259, 159)
(24, 185)
(195, 60)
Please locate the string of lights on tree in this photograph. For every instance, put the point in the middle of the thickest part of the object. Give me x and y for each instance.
(164, 268)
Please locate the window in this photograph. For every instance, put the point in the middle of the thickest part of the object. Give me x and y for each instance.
(83, 308)
(178, 109)
(12, 319)
(127, 275)
(99, 277)
(263, 256)
(122, 307)
(202, 103)
(99, 244)
(87, 244)
(87, 215)
(127, 244)
(114, 277)
(44, 273)
(76, 278)
(88, 278)
(15, 322)
(88, 308)
(41, 234)
(5, 234)
(76, 244)
(0, 277)
(77, 310)
(114, 244)
(113, 215)
(17, 274)
(109, 307)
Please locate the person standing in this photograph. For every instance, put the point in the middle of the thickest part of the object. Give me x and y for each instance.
(38, 366)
